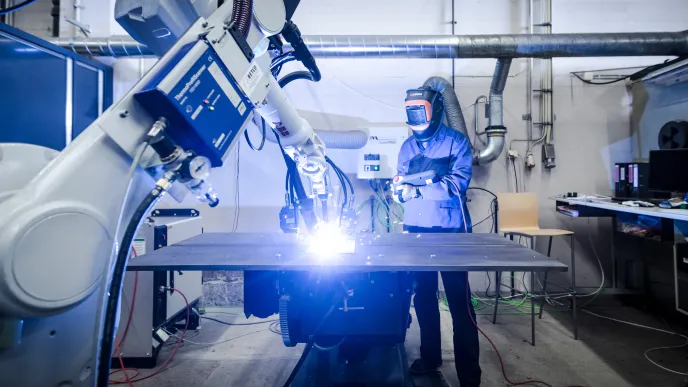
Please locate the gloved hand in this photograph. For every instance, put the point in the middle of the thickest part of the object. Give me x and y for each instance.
(406, 193)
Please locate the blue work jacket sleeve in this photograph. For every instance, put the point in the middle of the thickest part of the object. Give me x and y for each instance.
(404, 157)
(460, 176)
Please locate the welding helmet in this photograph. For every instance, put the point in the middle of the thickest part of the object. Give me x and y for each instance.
(424, 108)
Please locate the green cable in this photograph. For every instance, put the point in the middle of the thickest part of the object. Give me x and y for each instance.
(381, 220)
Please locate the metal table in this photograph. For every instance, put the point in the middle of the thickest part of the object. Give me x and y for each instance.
(373, 253)
(386, 252)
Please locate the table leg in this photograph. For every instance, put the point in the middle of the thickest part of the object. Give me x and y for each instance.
(498, 288)
(573, 284)
(544, 284)
(614, 263)
(513, 275)
(544, 293)
(532, 310)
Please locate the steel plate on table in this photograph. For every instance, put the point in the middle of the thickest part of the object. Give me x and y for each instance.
(388, 252)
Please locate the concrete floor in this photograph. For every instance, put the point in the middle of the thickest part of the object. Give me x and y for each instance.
(607, 354)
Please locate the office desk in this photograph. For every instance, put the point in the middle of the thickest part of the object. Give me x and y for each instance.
(609, 208)
(674, 229)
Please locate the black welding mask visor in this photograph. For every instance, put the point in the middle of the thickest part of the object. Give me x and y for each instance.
(424, 109)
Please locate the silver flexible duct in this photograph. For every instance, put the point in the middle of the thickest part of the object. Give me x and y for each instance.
(496, 92)
(442, 46)
(452, 107)
(496, 129)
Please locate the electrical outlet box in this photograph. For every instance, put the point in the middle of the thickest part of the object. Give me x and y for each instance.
(378, 158)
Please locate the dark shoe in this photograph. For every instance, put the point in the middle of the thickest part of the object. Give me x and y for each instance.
(420, 367)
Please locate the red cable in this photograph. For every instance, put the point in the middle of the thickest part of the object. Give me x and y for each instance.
(126, 330)
(501, 361)
(176, 347)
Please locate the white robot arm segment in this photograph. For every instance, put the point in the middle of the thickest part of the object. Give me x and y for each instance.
(60, 235)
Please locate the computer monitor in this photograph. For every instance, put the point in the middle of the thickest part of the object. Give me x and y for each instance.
(669, 170)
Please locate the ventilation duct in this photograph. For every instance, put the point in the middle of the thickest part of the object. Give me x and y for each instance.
(442, 46)
(495, 130)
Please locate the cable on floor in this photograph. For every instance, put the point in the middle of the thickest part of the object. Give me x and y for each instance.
(499, 355)
(647, 353)
(237, 324)
(184, 340)
(550, 300)
(275, 328)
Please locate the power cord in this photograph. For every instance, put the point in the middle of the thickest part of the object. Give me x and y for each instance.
(174, 351)
(184, 340)
(237, 324)
(119, 343)
(593, 294)
(651, 349)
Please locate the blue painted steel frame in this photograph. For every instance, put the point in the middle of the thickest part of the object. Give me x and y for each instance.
(34, 94)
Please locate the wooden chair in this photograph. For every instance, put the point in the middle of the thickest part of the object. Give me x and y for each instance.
(518, 216)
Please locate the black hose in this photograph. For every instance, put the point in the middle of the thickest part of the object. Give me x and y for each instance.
(112, 302)
(299, 364)
(262, 140)
(341, 180)
(351, 186)
(241, 15)
(305, 205)
(291, 34)
(287, 79)
(483, 189)
(308, 348)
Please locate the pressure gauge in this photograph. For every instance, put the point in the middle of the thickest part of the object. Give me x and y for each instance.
(199, 167)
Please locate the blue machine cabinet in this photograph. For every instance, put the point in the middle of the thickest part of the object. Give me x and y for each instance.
(49, 95)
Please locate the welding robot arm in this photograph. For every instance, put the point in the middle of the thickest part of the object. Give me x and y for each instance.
(65, 237)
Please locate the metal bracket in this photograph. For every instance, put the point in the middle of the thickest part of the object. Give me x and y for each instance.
(526, 117)
(240, 41)
(176, 212)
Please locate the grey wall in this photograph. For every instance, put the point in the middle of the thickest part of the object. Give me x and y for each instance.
(592, 128)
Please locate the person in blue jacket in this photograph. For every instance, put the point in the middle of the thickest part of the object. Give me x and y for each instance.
(439, 207)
